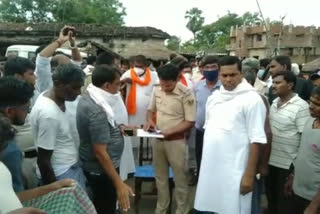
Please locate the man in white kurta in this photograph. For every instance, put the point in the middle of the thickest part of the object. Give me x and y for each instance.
(143, 95)
(234, 129)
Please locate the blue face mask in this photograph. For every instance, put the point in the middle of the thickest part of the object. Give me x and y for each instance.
(260, 73)
(211, 75)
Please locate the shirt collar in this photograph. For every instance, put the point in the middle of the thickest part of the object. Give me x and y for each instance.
(292, 100)
(216, 86)
(175, 90)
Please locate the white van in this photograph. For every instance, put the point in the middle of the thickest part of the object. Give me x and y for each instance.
(29, 51)
(25, 51)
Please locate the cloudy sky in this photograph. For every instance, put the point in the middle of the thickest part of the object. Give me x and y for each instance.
(168, 15)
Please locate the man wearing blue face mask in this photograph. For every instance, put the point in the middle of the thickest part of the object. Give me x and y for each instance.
(202, 91)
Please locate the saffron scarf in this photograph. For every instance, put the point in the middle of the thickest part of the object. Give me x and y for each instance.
(183, 80)
(132, 97)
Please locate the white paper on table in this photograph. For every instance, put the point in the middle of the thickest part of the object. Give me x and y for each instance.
(155, 134)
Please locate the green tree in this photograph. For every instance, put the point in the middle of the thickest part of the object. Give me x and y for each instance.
(69, 11)
(216, 35)
(195, 20)
(251, 18)
(26, 10)
(89, 11)
(173, 43)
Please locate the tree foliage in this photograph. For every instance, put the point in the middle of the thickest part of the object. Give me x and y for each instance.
(69, 11)
(195, 20)
(89, 11)
(216, 35)
(26, 10)
(173, 43)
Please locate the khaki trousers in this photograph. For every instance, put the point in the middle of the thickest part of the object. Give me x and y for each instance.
(174, 154)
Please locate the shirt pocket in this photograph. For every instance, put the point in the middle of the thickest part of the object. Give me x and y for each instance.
(173, 106)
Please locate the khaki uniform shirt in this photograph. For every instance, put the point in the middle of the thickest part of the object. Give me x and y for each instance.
(174, 107)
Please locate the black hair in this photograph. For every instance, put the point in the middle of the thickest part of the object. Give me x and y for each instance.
(14, 92)
(40, 48)
(103, 74)
(141, 59)
(186, 65)
(172, 56)
(210, 60)
(230, 60)
(68, 73)
(316, 92)
(180, 62)
(17, 65)
(265, 62)
(125, 62)
(168, 72)
(314, 75)
(91, 60)
(288, 76)
(105, 58)
(7, 132)
(61, 53)
(192, 60)
(156, 63)
(283, 60)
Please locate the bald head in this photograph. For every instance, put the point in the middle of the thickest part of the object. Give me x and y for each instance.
(59, 59)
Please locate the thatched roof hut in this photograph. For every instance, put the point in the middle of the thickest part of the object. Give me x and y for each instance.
(311, 66)
(121, 40)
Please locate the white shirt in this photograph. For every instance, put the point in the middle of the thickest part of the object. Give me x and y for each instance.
(9, 200)
(52, 130)
(196, 75)
(143, 97)
(189, 81)
(287, 123)
(234, 120)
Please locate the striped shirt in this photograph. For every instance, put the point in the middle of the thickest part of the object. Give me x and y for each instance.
(287, 123)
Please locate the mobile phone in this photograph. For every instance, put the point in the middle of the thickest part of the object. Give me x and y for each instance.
(129, 132)
(66, 30)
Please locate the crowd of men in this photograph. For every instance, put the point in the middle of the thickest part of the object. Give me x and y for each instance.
(235, 129)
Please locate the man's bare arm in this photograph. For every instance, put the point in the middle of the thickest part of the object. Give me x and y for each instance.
(51, 49)
(45, 167)
(314, 205)
(123, 191)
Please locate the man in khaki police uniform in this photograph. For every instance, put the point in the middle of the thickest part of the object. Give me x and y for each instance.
(174, 105)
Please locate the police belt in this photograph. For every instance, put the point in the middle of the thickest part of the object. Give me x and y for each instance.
(174, 137)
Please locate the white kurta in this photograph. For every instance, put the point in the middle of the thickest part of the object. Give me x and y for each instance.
(143, 98)
(234, 119)
(127, 160)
